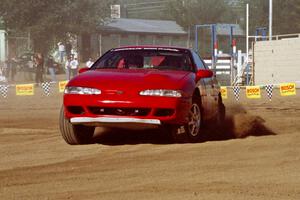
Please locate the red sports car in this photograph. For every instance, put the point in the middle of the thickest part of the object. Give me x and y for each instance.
(142, 87)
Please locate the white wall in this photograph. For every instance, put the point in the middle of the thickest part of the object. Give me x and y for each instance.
(277, 61)
(2, 46)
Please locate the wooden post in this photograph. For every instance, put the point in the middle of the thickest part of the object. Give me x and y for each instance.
(253, 66)
(153, 39)
(188, 38)
(137, 39)
(100, 44)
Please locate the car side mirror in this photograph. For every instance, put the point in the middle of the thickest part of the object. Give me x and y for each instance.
(204, 73)
(83, 70)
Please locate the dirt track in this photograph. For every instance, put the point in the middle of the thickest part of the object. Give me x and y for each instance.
(35, 162)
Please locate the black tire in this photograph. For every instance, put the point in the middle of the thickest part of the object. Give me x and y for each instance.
(75, 134)
(191, 131)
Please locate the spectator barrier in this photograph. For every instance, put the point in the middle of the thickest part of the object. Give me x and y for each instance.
(252, 92)
(29, 89)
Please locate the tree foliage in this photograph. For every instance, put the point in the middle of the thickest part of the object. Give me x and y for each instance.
(285, 15)
(198, 12)
(191, 12)
(51, 20)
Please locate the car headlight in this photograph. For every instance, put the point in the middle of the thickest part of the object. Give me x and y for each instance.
(81, 90)
(162, 93)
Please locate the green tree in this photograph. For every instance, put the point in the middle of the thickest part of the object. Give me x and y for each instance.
(51, 20)
(191, 12)
(285, 15)
(145, 9)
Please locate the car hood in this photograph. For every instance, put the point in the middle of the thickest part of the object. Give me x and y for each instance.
(130, 79)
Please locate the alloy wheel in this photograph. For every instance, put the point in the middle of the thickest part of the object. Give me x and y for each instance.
(194, 120)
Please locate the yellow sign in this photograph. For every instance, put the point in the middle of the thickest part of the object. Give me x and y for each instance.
(25, 89)
(224, 92)
(287, 89)
(253, 92)
(62, 85)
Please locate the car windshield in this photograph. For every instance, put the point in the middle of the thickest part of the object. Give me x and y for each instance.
(145, 58)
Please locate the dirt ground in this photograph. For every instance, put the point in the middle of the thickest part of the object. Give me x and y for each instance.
(263, 163)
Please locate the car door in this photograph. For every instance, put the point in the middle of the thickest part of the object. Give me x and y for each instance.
(214, 92)
(206, 87)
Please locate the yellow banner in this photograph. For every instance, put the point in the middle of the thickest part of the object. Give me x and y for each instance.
(287, 89)
(62, 85)
(25, 89)
(253, 92)
(224, 92)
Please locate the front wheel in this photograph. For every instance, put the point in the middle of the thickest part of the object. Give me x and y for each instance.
(191, 131)
(75, 134)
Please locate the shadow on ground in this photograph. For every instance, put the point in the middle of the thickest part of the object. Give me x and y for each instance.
(123, 137)
(238, 124)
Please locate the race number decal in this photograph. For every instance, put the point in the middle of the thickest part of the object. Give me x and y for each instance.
(62, 85)
(25, 89)
(224, 92)
(287, 89)
(253, 92)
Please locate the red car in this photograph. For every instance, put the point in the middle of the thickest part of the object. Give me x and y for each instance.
(142, 87)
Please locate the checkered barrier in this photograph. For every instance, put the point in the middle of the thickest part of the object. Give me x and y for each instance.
(4, 90)
(46, 88)
(252, 92)
(236, 92)
(269, 90)
(29, 89)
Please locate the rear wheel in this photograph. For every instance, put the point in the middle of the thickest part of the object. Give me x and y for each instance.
(75, 134)
(191, 131)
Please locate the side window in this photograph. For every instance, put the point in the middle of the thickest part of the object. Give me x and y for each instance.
(187, 63)
(199, 63)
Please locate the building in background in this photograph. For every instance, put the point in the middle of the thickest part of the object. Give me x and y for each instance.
(124, 32)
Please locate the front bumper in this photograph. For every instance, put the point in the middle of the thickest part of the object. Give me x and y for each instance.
(114, 122)
(138, 111)
(80, 120)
